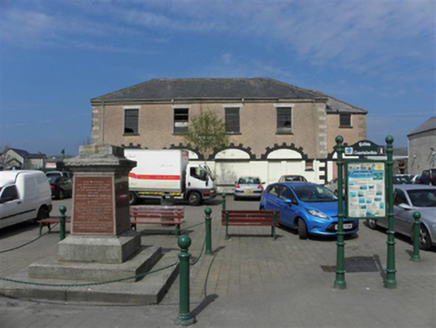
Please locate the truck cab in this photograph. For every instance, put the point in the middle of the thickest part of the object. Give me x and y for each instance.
(200, 184)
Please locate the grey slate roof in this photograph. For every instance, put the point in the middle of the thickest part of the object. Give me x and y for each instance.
(428, 125)
(219, 89)
(25, 153)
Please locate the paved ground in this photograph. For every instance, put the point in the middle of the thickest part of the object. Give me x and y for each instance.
(250, 281)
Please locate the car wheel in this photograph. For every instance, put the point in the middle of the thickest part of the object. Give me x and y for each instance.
(194, 198)
(133, 199)
(372, 223)
(60, 194)
(261, 208)
(302, 229)
(235, 197)
(424, 238)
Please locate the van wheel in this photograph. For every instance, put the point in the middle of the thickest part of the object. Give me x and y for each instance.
(194, 198)
(302, 229)
(60, 194)
(42, 214)
(133, 199)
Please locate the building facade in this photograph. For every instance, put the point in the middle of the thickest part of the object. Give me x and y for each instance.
(422, 147)
(22, 159)
(274, 128)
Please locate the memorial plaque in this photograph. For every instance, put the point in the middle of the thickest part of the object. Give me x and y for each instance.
(93, 206)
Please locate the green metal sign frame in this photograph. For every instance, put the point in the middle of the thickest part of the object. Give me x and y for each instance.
(365, 189)
(357, 149)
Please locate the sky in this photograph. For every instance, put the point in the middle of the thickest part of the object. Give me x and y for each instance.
(56, 55)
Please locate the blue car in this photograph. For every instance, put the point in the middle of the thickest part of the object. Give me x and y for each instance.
(309, 207)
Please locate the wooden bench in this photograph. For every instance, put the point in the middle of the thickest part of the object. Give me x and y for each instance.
(48, 222)
(250, 218)
(168, 215)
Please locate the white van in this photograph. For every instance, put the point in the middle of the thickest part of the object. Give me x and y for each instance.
(24, 195)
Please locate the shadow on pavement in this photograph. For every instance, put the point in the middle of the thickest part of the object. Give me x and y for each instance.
(204, 304)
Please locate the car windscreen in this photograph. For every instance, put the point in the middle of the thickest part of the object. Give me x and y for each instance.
(423, 197)
(249, 180)
(294, 178)
(314, 194)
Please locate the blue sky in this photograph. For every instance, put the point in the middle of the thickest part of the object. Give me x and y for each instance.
(55, 55)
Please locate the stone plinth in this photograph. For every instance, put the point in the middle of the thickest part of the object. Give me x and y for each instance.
(100, 219)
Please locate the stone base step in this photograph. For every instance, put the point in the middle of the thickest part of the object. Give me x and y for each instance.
(149, 290)
(50, 267)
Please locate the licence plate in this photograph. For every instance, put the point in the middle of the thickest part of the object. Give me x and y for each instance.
(248, 191)
(346, 226)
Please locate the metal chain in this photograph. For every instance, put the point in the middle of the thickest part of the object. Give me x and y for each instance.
(33, 240)
(195, 225)
(88, 284)
(201, 253)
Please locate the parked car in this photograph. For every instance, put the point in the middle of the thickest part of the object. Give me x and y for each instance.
(407, 200)
(292, 178)
(24, 195)
(60, 186)
(66, 174)
(308, 207)
(248, 187)
(332, 185)
(403, 178)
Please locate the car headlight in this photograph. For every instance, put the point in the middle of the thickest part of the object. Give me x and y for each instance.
(318, 214)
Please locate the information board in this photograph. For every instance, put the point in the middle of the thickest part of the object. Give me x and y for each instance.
(365, 189)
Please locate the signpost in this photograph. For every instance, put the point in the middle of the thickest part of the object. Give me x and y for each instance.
(369, 194)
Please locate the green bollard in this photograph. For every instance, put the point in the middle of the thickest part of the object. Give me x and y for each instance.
(415, 256)
(224, 200)
(185, 317)
(208, 219)
(390, 280)
(340, 282)
(63, 210)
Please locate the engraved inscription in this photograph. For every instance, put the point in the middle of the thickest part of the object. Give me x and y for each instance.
(93, 205)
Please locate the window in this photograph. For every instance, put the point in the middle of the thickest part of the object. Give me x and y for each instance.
(181, 120)
(274, 190)
(400, 198)
(288, 194)
(284, 120)
(232, 120)
(345, 120)
(9, 193)
(131, 121)
(309, 165)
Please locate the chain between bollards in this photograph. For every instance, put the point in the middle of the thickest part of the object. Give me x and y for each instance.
(185, 317)
(416, 229)
(208, 225)
(62, 218)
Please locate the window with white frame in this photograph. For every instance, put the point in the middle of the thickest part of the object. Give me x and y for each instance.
(181, 120)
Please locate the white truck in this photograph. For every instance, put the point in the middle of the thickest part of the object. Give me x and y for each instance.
(167, 172)
(24, 195)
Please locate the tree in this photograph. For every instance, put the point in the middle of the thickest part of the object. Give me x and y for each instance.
(207, 133)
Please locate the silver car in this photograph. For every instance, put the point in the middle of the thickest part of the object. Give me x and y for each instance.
(407, 200)
(248, 187)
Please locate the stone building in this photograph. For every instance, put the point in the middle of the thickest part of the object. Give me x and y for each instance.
(275, 128)
(422, 147)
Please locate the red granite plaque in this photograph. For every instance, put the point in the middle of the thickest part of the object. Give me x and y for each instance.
(93, 208)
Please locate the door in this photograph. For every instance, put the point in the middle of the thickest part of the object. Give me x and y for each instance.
(403, 224)
(288, 207)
